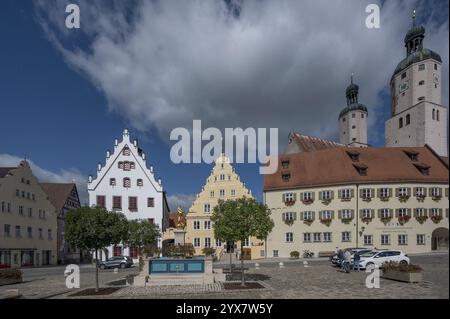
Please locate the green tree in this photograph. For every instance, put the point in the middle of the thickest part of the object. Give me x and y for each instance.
(238, 220)
(94, 229)
(141, 233)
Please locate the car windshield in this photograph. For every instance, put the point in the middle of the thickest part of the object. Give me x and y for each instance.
(369, 254)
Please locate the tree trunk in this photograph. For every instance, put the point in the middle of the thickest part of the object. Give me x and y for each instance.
(231, 262)
(96, 270)
(242, 263)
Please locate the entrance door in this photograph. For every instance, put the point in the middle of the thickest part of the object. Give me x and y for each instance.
(230, 247)
(439, 239)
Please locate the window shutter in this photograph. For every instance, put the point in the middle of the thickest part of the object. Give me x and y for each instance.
(332, 194)
(313, 195)
(397, 212)
(295, 215)
(379, 213)
(295, 196)
(408, 191)
(361, 193)
(379, 192)
(352, 213)
(440, 211)
(415, 189)
(397, 192)
(313, 215)
(320, 195)
(340, 214)
(372, 192)
(339, 193)
(352, 193)
(284, 198)
(332, 214)
(390, 192)
(409, 211)
(372, 213)
(430, 190)
(446, 192)
(302, 215)
(302, 196)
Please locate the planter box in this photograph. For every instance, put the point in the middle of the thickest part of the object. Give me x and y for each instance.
(411, 277)
(7, 281)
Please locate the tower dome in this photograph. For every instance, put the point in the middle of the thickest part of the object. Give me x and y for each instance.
(352, 92)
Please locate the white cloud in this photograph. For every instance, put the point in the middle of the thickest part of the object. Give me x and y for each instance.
(46, 176)
(282, 63)
(183, 200)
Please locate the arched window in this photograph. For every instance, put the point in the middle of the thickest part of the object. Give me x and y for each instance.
(112, 181)
(422, 82)
(120, 165)
(437, 115)
(400, 122)
(127, 182)
(126, 166)
(434, 114)
(126, 151)
(408, 119)
(140, 182)
(132, 165)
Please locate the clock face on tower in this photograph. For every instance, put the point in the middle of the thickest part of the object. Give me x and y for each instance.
(404, 86)
(435, 78)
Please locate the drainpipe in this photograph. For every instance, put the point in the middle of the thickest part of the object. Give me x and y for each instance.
(357, 215)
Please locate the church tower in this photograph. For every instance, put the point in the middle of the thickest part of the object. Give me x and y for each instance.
(417, 114)
(353, 119)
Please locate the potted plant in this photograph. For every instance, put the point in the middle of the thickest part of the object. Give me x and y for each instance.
(436, 218)
(289, 202)
(347, 220)
(289, 222)
(436, 198)
(10, 276)
(384, 198)
(385, 220)
(366, 220)
(404, 219)
(326, 201)
(208, 251)
(401, 272)
(420, 198)
(367, 199)
(421, 219)
(295, 254)
(308, 221)
(403, 198)
(308, 201)
(326, 221)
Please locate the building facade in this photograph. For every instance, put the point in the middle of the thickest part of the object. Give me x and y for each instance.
(386, 198)
(28, 220)
(125, 184)
(417, 114)
(223, 183)
(353, 119)
(64, 197)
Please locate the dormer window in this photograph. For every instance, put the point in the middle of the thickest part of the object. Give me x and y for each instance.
(413, 155)
(126, 151)
(140, 183)
(424, 169)
(285, 164)
(286, 177)
(112, 181)
(361, 168)
(354, 155)
(127, 182)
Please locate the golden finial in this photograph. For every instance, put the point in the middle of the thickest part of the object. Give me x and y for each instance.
(180, 224)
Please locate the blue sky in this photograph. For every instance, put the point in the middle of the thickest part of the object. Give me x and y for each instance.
(65, 118)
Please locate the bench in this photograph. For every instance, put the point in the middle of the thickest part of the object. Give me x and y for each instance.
(326, 253)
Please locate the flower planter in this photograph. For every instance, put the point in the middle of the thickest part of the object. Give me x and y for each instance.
(410, 277)
(366, 220)
(289, 203)
(9, 281)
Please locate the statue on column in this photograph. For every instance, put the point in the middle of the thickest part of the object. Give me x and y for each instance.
(180, 224)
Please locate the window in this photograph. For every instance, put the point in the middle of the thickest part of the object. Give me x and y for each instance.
(422, 98)
(7, 230)
(366, 193)
(196, 225)
(346, 214)
(385, 213)
(285, 164)
(127, 182)
(18, 234)
(362, 115)
(422, 82)
(402, 212)
(207, 208)
(289, 197)
(218, 243)
(317, 237)
(132, 165)
(41, 236)
(112, 182)
(368, 240)
(366, 213)
(307, 237)
(421, 67)
(420, 239)
(346, 236)
(196, 242)
(211, 194)
(23, 194)
(140, 182)
(436, 192)
(385, 239)
(207, 242)
(132, 204)
(307, 196)
(222, 177)
(126, 151)
(437, 115)
(18, 192)
(150, 202)
(30, 212)
(420, 212)
(101, 201)
(127, 166)
(33, 197)
(326, 214)
(120, 165)
(400, 122)
(408, 119)
(435, 212)
(308, 216)
(327, 237)
(117, 202)
(326, 195)
(8, 207)
(233, 192)
(420, 192)
(275, 253)
(286, 177)
(353, 127)
(403, 75)
(435, 66)
(343, 120)
(403, 192)
(346, 194)
(222, 193)
(289, 216)
(3, 207)
(246, 243)
(433, 116)
(289, 237)
(402, 239)
(353, 115)
(49, 233)
(384, 193)
(30, 232)
(207, 224)
(21, 210)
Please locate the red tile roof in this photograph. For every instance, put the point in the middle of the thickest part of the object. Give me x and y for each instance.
(311, 143)
(58, 193)
(5, 170)
(335, 166)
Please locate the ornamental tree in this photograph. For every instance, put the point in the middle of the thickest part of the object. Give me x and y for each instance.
(141, 233)
(238, 220)
(94, 229)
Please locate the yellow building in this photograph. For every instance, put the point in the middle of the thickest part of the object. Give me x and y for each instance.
(223, 183)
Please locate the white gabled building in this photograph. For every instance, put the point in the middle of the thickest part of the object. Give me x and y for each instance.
(125, 184)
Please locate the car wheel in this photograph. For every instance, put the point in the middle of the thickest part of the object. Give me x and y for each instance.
(370, 266)
(403, 263)
(122, 266)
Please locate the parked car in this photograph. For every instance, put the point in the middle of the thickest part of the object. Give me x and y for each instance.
(335, 260)
(116, 262)
(378, 258)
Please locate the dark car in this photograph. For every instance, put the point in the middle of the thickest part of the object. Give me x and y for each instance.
(116, 262)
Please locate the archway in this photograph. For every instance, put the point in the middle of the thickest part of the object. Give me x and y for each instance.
(439, 239)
